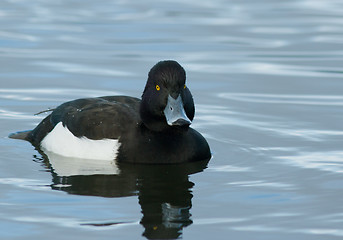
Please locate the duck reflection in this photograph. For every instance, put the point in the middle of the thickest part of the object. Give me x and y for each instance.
(164, 191)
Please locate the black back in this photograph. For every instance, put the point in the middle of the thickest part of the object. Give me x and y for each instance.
(94, 118)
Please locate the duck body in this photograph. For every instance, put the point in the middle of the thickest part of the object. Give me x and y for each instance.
(154, 129)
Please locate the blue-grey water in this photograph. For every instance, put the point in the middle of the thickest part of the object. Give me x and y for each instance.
(267, 79)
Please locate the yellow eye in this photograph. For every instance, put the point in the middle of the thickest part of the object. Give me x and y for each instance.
(158, 88)
(184, 86)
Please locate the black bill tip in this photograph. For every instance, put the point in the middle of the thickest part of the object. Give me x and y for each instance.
(181, 122)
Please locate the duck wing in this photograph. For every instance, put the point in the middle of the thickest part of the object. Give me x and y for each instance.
(94, 118)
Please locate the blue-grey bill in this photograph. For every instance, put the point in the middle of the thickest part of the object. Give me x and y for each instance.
(175, 113)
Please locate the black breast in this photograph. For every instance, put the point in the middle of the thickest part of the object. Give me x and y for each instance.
(145, 146)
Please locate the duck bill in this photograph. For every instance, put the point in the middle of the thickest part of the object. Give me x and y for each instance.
(175, 113)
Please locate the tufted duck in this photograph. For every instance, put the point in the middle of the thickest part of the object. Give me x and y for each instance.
(153, 130)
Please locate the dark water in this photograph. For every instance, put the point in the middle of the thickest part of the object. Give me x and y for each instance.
(267, 81)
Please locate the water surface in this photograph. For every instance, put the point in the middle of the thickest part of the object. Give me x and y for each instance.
(267, 82)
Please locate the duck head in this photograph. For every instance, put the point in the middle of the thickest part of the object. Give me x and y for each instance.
(166, 100)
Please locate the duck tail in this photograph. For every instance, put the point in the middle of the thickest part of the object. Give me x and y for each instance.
(22, 135)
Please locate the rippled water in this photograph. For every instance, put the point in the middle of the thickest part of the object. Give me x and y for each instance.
(267, 81)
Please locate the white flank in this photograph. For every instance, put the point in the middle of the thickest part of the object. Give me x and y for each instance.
(61, 141)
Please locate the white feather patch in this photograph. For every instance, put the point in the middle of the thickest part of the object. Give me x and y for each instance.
(61, 141)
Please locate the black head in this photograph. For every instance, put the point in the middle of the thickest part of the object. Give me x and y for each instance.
(166, 100)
